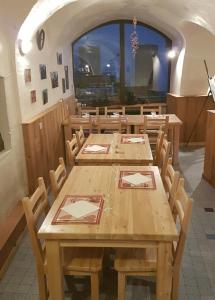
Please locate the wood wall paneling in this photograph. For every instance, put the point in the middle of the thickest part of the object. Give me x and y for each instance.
(44, 141)
(209, 162)
(187, 108)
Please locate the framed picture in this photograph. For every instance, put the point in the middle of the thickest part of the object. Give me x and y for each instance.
(66, 77)
(33, 96)
(45, 96)
(59, 58)
(63, 85)
(54, 79)
(27, 75)
(43, 72)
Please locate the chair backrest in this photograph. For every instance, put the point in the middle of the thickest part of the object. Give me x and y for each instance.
(171, 180)
(80, 137)
(109, 124)
(109, 111)
(154, 124)
(90, 110)
(35, 207)
(75, 123)
(182, 213)
(58, 177)
(156, 109)
(158, 146)
(164, 156)
(72, 150)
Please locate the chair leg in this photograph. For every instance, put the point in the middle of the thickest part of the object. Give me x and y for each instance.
(94, 286)
(121, 286)
(175, 287)
(43, 291)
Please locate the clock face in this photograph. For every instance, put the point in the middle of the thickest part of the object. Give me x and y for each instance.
(40, 39)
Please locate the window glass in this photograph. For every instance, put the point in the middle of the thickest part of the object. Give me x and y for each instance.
(96, 66)
(106, 71)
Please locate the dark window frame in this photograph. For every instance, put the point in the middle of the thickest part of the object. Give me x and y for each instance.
(122, 51)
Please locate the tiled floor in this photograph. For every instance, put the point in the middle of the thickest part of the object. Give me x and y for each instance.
(198, 269)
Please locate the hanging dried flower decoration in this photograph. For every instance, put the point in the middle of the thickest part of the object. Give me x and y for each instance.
(134, 38)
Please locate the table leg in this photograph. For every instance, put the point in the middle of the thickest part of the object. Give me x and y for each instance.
(55, 275)
(164, 271)
(176, 137)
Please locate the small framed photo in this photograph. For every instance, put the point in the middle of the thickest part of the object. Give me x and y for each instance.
(27, 75)
(54, 79)
(43, 71)
(63, 85)
(59, 58)
(66, 76)
(45, 96)
(33, 96)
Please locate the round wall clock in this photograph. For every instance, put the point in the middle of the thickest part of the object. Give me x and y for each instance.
(40, 39)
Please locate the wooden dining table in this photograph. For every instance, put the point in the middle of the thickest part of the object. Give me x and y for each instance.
(131, 123)
(131, 217)
(121, 150)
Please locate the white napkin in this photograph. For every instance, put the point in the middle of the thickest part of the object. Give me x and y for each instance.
(136, 140)
(85, 115)
(94, 148)
(114, 115)
(80, 208)
(136, 179)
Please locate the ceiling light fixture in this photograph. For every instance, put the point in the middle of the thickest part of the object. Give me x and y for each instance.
(171, 54)
(24, 46)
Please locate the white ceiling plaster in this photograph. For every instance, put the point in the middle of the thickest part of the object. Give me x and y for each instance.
(167, 15)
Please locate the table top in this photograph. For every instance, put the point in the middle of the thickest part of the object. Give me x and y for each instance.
(136, 154)
(130, 119)
(138, 119)
(128, 214)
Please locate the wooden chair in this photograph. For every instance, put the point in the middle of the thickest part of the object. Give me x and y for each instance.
(170, 181)
(72, 150)
(109, 125)
(156, 109)
(164, 156)
(158, 147)
(143, 262)
(109, 110)
(152, 125)
(80, 137)
(85, 262)
(90, 110)
(58, 177)
(85, 122)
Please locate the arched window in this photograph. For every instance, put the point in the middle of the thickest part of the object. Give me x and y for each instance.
(106, 71)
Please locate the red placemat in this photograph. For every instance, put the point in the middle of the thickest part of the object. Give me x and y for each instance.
(125, 139)
(62, 217)
(102, 151)
(151, 185)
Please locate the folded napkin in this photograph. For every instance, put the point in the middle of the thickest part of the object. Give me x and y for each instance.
(136, 179)
(136, 139)
(86, 115)
(80, 208)
(114, 115)
(94, 148)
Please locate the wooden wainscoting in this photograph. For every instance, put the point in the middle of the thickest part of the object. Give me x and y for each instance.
(187, 109)
(44, 141)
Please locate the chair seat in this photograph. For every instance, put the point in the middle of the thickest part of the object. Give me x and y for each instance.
(81, 260)
(136, 260)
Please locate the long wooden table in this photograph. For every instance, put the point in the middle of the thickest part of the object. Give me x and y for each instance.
(131, 218)
(119, 153)
(133, 122)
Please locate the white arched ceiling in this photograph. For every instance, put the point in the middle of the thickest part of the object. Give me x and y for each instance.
(66, 20)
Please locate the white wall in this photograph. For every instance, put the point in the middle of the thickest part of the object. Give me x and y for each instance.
(13, 185)
(47, 56)
(200, 45)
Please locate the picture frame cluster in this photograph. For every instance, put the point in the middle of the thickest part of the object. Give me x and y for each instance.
(54, 78)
